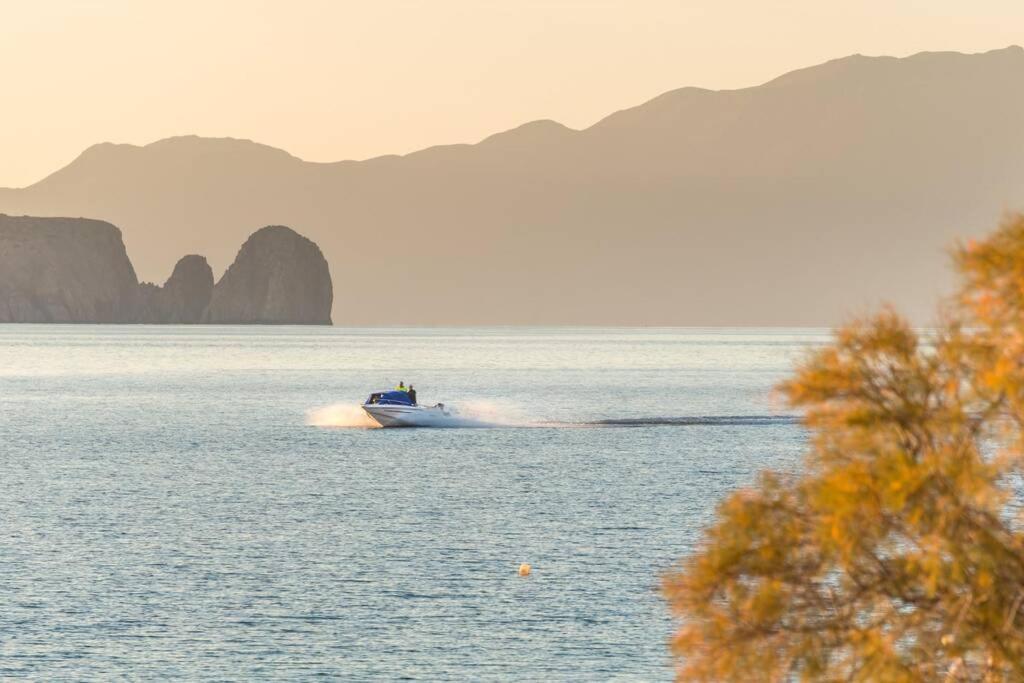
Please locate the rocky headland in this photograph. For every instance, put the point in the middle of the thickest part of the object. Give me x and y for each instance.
(76, 270)
(278, 278)
(184, 297)
(64, 270)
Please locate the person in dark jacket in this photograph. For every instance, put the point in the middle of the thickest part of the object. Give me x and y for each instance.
(412, 395)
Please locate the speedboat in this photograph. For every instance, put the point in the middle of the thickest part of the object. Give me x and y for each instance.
(396, 409)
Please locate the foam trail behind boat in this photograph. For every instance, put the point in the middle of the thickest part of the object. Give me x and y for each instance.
(493, 414)
(486, 413)
(700, 420)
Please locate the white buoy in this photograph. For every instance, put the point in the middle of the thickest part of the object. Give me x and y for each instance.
(524, 569)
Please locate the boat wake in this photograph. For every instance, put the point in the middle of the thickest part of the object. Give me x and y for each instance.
(700, 420)
(487, 414)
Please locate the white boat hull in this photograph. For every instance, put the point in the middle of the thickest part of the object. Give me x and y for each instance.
(411, 416)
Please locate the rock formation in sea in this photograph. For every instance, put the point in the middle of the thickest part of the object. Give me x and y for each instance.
(278, 277)
(183, 298)
(76, 270)
(63, 270)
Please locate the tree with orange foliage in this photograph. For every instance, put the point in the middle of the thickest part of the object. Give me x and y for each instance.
(898, 555)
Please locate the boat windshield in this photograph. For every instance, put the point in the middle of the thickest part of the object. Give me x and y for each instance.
(389, 398)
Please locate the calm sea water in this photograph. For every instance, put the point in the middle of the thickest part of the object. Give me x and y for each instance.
(186, 501)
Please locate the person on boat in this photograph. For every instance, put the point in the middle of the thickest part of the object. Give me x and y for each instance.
(401, 386)
(412, 394)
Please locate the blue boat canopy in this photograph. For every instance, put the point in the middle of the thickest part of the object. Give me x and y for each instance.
(389, 398)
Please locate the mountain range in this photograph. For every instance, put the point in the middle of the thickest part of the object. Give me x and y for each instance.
(796, 202)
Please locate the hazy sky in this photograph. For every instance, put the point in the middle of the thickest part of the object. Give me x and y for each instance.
(337, 80)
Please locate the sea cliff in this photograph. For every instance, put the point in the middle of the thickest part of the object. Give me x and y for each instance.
(64, 270)
(76, 270)
(278, 278)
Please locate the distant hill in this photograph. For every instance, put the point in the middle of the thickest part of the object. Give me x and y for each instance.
(798, 201)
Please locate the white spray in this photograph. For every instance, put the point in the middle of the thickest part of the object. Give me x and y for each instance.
(340, 415)
(496, 413)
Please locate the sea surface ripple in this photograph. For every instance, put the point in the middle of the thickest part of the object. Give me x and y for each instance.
(169, 509)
